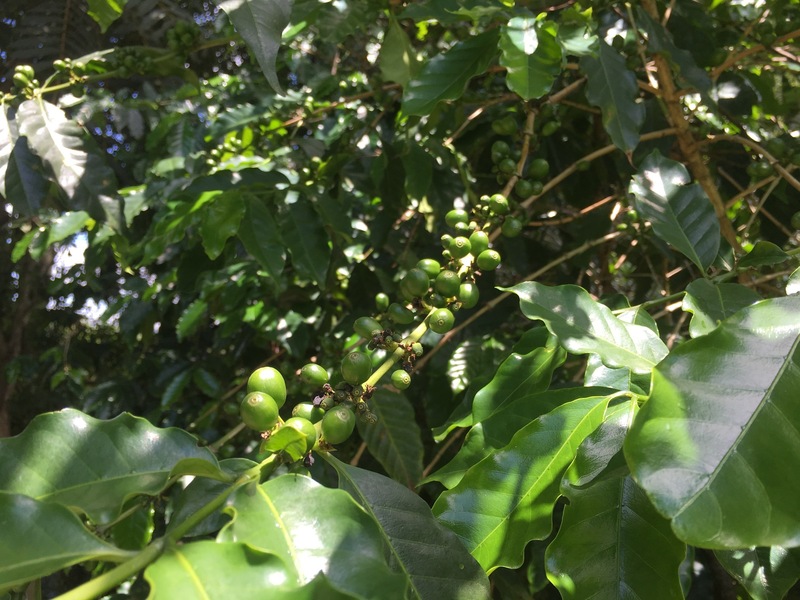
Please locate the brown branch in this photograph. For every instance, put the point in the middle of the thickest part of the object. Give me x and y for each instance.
(686, 142)
(734, 58)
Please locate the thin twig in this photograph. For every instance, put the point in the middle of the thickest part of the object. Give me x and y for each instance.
(450, 440)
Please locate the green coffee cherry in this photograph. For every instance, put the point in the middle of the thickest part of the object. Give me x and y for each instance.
(305, 427)
(468, 295)
(498, 204)
(523, 188)
(308, 411)
(550, 128)
(314, 374)
(381, 302)
(501, 148)
(401, 380)
(447, 283)
(259, 411)
(338, 424)
(488, 260)
(539, 168)
(441, 320)
(268, 381)
(460, 247)
(356, 368)
(400, 314)
(457, 215)
(437, 300)
(417, 282)
(511, 227)
(479, 241)
(430, 266)
(417, 349)
(367, 327)
(507, 166)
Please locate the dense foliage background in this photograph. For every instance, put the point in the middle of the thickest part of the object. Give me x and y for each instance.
(194, 190)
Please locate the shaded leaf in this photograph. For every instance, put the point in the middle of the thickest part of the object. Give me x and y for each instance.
(83, 175)
(261, 24)
(105, 12)
(507, 499)
(531, 55)
(710, 304)
(681, 214)
(416, 544)
(445, 76)
(497, 430)
(306, 239)
(218, 571)
(42, 537)
(612, 87)
(766, 573)
(395, 440)
(261, 237)
(191, 318)
(723, 407)
(94, 466)
(314, 530)
(397, 60)
(220, 221)
(763, 253)
(584, 326)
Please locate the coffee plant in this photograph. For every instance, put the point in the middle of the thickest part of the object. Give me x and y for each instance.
(378, 300)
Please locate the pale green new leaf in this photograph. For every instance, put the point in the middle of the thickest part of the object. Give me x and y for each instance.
(507, 499)
(42, 537)
(83, 175)
(720, 433)
(395, 440)
(766, 573)
(416, 544)
(219, 571)
(261, 24)
(91, 465)
(681, 214)
(613, 88)
(531, 55)
(445, 76)
(314, 529)
(584, 326)
(710, 303)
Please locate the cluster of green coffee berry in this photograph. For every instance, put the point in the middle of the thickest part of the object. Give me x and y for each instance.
(183, 37)
(25, 78)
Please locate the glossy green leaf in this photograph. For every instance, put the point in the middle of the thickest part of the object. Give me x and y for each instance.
(520, 375)
(613, 544)
(105, 12)
(584, 326)
(497, 430)
(762, 254)
(306, 239)
(65, 225)
(94, 466)
(416, 544)
(531, 56)
(766, 573)
(397, 59)
(681, 213)
(710, 304)
(289, 440)
(612, 87)
(135, 531)
(261, 24)
(42, 537)
(659, 40)
(219, 571)
(445, 76)
(395, 440)
(261, 236)
(719, 434)
(82, 174)
(314, 530)
(220, 221)
(576, 32)
(507, 499)
(7, 140)
(24, 185)
(191, 318)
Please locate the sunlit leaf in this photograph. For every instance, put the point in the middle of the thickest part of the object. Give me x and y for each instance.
(397, 59)
(531, 55)
(710, 303)
(766, 573)
(719, 434)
